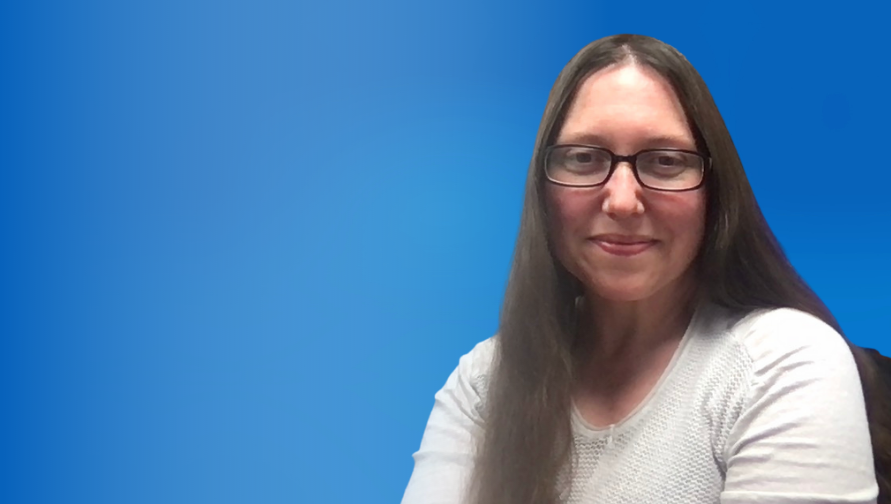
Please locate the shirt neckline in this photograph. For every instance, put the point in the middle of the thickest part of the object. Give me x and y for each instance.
(584, 426)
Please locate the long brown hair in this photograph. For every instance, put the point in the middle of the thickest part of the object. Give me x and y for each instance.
(528, 436)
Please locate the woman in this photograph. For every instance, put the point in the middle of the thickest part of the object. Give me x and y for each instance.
(655, 343)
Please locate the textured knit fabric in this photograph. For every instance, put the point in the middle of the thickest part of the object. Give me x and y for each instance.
(764, 408)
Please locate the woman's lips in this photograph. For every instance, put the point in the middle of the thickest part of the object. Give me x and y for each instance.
(623, 246)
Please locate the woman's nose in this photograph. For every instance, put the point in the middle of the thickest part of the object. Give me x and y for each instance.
(623, 193)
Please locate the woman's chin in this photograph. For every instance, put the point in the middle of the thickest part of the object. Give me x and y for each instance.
(634, 288)
(623, 289)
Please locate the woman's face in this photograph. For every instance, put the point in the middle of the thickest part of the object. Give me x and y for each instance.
(623, 241)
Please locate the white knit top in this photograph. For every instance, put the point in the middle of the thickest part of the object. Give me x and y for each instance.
(765, 408)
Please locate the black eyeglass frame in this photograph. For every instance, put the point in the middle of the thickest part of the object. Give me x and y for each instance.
(615, 159)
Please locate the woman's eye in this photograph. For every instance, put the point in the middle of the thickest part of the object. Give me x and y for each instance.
(669, 161)
(577, 161)
(666, 165)
(585, 157)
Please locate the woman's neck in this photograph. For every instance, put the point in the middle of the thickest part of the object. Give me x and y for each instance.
(614, 330)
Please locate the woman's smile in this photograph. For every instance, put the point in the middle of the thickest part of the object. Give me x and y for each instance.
(623, 245)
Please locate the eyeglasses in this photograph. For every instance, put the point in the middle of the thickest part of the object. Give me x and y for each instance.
(659, 169)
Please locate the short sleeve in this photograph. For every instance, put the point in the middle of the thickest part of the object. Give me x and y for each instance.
(444, 462)
(802, 436)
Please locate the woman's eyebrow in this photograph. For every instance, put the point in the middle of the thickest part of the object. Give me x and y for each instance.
(680, 142)
(672, 141)
(583, 138)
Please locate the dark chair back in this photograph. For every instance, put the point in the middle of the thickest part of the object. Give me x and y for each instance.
(877, 387)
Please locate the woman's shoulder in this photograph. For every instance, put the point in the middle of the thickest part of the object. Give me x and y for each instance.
(782, 332)
(764, 344)
(803, 403)
(469, 382)
(476, 365)
(776, 345)
(479, 359)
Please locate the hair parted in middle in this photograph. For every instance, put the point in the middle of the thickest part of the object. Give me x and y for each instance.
(525, 454)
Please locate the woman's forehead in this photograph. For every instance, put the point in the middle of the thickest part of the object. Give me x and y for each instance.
(628, 102)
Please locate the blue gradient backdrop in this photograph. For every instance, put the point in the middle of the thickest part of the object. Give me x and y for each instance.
(245, 242)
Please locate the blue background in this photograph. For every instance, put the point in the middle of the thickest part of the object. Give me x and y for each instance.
(245, 242)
